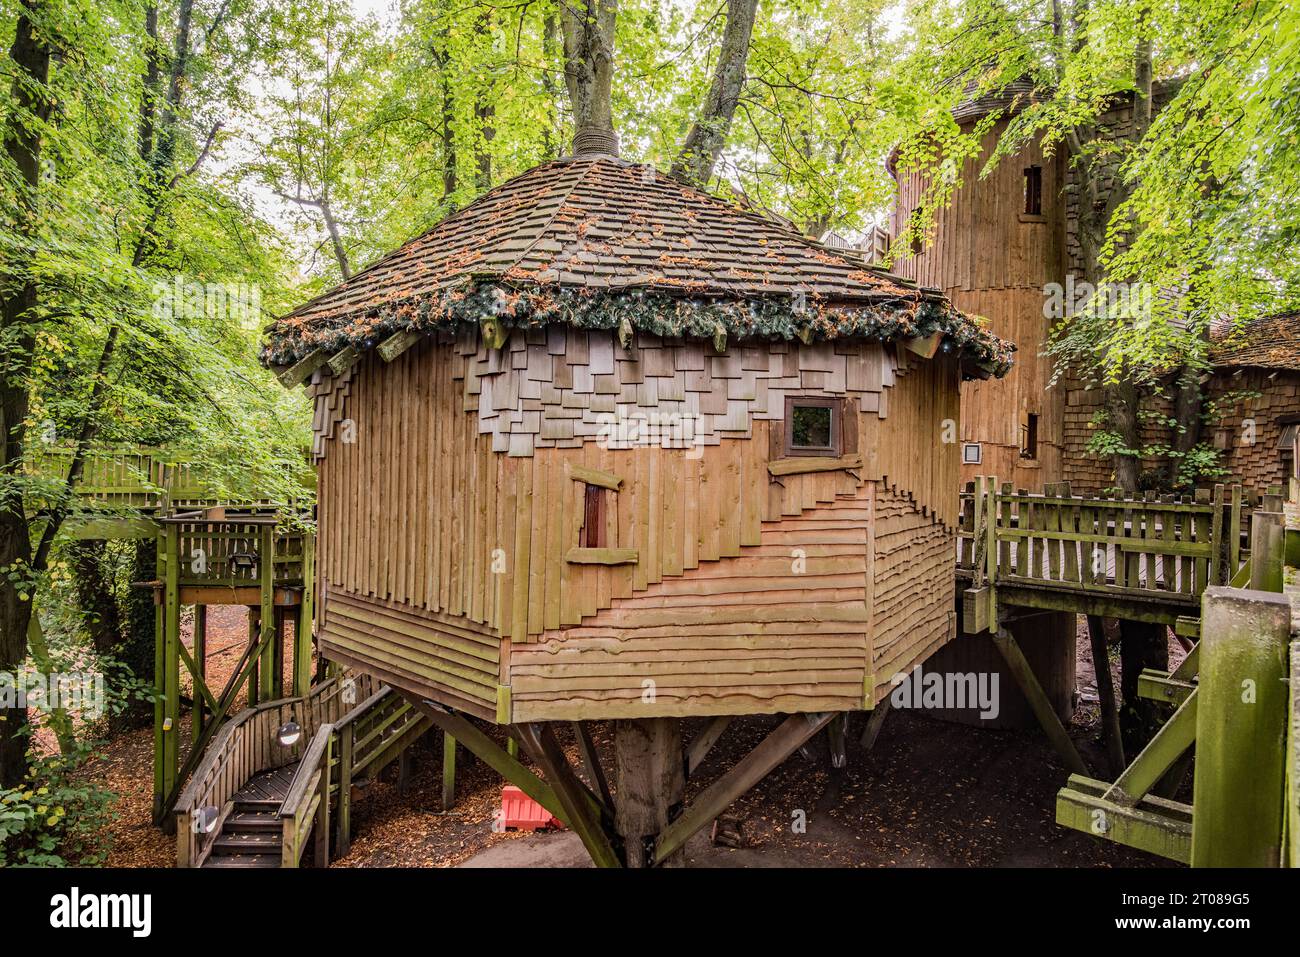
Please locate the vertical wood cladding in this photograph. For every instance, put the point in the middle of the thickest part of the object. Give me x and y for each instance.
(433, 547)
(993, 260)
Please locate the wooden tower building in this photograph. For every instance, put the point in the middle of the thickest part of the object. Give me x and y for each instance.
(602, 446)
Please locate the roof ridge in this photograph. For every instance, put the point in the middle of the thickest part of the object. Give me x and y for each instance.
(545, 226)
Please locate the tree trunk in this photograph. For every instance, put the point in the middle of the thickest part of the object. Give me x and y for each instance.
(649, 779)
(99, 608)
(30, 108)
(708, 134)
(588, 28)
(141, 627)
(1189, 401)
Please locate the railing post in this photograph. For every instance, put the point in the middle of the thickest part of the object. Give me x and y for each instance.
(343, 826)
(1241, 729)
(266, 572)
(1266, 551)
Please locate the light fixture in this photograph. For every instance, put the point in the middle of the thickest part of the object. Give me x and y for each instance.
(289, 733)
(205, 822)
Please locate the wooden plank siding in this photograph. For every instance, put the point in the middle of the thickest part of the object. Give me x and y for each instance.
(442, 561)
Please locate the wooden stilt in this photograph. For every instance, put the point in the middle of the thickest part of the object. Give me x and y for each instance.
(1106, 695)
(718, 796)
(302, 628)
(581, 808)
(448, 771)
(703, 742)
(1037, 699)
(650, 776)
(254, 636)
(1241, 720)
(171, 686)
(266, 690)
(591, 764)
(875, 723)
(343, 815)
(199, 713)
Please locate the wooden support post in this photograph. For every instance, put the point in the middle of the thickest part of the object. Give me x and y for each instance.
(302, 629)
(752, 768)
(1267, 544)
(346, 738)
(591, 764)
(703, 742)
(266, 574)
(1106, 695)
(321, 853)
(649, 779)
(277, 660)
(171, 686)
(254, 641)
(159, 681)
(200, 672)
(448, 771)
(512, 747)
(836, 732)
(1240, 728)
(1038, 701)
(582, 811)
(875, 723)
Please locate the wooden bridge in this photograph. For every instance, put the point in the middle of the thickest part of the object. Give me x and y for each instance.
(1147, 558)
(279, 778)
(1225, 564)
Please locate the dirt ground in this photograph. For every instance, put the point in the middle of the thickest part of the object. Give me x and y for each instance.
(930, 794)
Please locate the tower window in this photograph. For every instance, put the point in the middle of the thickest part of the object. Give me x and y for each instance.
(918, 241)
(814, 425)
(1029, 444)
(1033, 191)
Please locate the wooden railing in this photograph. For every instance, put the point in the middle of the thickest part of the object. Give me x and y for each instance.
(230, 551)
(248, 745)
(138, 477)
(306, 805)
(1245, 809)
(364, 741)
(1164, 547)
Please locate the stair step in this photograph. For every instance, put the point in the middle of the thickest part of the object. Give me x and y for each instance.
(247, 843)
(244, 860)
(253, 821)
(257, 804)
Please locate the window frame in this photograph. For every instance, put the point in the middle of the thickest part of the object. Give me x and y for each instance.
(836, 406)
(595, 511)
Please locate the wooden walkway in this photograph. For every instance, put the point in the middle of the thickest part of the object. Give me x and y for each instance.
(1147, 558)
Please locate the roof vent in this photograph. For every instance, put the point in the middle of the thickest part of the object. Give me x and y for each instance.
(591, 141)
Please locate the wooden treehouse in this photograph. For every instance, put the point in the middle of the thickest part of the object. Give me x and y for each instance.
(602, 446)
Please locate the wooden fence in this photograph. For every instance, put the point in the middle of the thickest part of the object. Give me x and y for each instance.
(1164, 547)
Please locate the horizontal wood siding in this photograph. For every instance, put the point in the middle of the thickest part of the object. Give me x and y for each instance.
(913, 589)
(780, 627)
(420, 649)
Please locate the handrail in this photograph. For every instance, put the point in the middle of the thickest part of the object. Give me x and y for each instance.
(307, 801)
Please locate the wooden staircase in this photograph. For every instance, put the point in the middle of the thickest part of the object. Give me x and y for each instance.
(254, 801)
(253, 835)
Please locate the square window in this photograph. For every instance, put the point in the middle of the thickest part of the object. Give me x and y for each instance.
(970, 453)
(814, 425)
(594, 505)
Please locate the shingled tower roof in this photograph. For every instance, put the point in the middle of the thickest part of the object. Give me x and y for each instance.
(1271, 342)
(600, 242)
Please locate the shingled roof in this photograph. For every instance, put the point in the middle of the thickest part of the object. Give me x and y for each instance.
(1272, 342)
(601, 242)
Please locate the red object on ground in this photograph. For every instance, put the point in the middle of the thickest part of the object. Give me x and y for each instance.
(520, 811)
